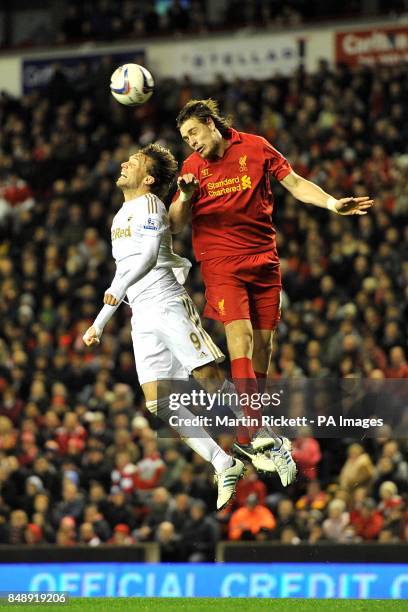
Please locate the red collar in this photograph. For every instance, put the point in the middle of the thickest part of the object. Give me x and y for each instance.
(233, 136)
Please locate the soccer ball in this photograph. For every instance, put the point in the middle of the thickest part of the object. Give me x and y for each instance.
(131, 84)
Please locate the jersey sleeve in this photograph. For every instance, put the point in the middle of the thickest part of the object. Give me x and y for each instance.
(275, 163)
(152, 219)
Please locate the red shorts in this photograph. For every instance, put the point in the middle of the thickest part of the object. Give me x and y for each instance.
(243, 287)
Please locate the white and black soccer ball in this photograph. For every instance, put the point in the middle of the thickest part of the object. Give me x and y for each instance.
(131, 84)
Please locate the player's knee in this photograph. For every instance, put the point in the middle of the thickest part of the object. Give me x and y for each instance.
(208, 370)
(265, 348)
(209, 375)
(241, 343)
(263, 342)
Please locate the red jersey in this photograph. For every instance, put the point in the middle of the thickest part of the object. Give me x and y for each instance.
(232, 209)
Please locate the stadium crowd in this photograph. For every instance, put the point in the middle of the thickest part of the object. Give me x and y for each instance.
(108, 20)
(79, 459)
(118, 20)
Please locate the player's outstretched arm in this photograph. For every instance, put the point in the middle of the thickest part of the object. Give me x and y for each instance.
(132, 270)
(180, 209)
(91, 337)
(309, 193)
(93, 334)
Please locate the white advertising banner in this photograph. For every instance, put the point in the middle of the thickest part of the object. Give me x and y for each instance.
(257, 57)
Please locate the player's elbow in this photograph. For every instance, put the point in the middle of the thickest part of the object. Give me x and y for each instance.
(296, 188)
(177, 223)
(293, 183)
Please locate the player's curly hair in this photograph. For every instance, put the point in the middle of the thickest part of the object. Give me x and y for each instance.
(164, 168)
(202, 110)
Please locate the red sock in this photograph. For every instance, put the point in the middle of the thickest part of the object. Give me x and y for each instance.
(244, 379)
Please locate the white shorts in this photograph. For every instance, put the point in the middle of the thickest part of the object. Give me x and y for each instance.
(169, 341)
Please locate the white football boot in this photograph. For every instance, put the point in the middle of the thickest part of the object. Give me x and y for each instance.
(282, 458)
(259, 459)
(227, 482)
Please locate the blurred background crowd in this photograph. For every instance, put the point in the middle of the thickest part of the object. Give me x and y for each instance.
(79, 459)
(60, 22)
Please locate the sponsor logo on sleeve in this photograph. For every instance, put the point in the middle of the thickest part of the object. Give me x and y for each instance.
(151, 224)
(221, 307)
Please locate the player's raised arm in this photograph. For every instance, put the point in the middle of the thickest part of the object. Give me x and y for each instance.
(309, 193)
(180, 208)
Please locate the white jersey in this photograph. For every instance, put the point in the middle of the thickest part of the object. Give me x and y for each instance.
(143, 216)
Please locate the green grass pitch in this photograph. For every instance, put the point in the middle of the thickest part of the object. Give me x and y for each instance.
(152, 604)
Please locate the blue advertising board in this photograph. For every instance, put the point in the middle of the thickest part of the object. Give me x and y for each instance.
(276, 580)
(37, 72)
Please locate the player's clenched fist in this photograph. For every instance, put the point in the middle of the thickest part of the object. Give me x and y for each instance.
(90, 337)
(110, 299)
(187, 184)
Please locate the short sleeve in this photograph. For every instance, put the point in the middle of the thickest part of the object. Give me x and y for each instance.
(275, 163)
(152, 219)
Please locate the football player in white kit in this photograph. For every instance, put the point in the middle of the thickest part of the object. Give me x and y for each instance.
(168, 339)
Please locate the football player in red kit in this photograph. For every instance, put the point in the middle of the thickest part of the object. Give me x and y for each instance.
(225, 191)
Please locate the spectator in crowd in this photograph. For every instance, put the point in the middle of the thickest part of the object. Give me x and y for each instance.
(314, 498)
(250, 483)
(33, 535)
(335, 526)
(289, 535)
(87, 535)
(171, 549)
(96, 519)
(398, 362)
(179, 513)
(72, 503)
(246, 522)
(392, 508)
(122, 477)
(357, 470)
(150, 468)
(200, 534)
(175, 464)
(285, 517)
(15, 530)
(67, 532)
(158, 510)
(306, 454)
(121, 536)
(367, 521)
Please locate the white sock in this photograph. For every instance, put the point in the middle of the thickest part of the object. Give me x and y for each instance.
(229, 388)
(203, 445)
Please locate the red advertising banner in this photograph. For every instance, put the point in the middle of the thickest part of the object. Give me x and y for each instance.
(372, 46)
